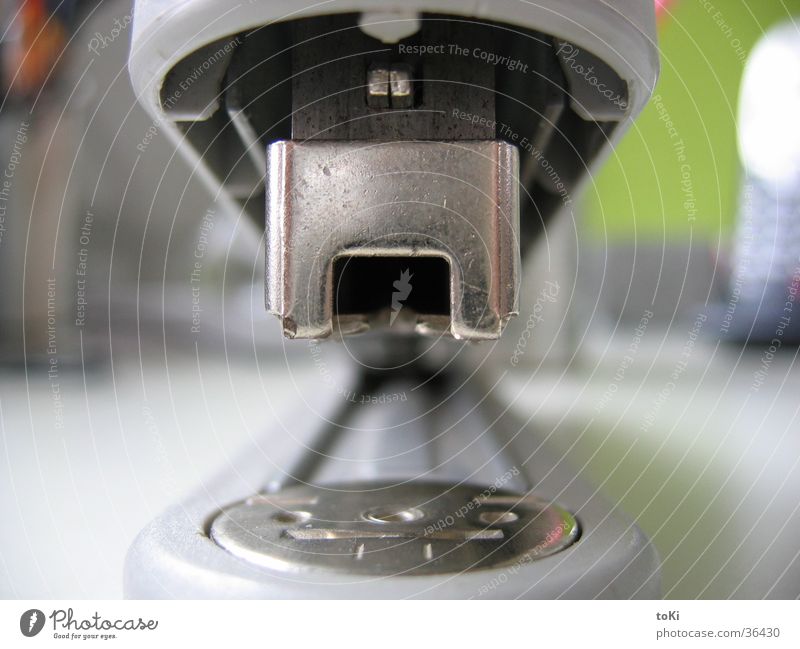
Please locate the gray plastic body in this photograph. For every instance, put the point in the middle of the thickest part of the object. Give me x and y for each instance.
(174, 556)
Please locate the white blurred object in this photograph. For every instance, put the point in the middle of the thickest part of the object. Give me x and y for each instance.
(766, 264)
(769, 105)
(389, 27)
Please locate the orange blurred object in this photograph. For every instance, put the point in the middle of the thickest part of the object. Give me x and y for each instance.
(29, 58)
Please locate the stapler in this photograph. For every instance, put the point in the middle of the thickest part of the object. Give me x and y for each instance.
(402, 158)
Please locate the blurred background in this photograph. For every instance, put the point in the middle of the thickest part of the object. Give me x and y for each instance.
(136, 356)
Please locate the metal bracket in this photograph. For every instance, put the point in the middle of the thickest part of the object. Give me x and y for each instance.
(456, 201)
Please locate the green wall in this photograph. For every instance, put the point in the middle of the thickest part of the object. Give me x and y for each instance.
(647, 186)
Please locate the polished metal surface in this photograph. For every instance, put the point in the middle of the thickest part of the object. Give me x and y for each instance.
(378, 86)
(401, 86)
(456, 201)
(390, 86)
(382, 530)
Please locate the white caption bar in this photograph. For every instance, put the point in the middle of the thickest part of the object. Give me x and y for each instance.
(397, 624)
